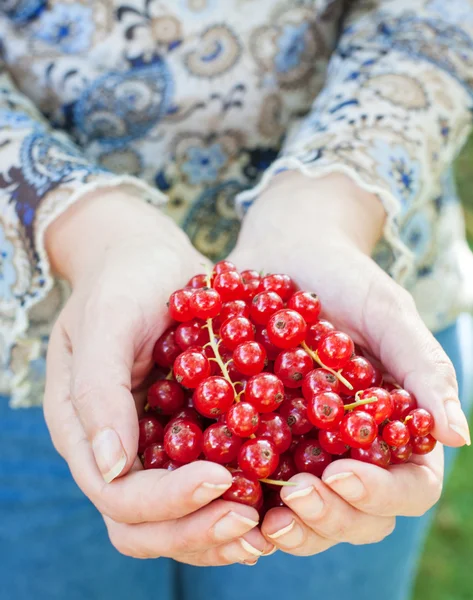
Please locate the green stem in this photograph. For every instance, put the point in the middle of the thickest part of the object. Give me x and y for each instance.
(278, 482)
(360, 403)
(336, 374)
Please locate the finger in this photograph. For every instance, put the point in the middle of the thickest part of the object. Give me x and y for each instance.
(246, 550)
(331, 517)
(408, 490)
(213, 525)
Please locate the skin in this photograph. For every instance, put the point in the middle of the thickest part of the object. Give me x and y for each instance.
(95, 355)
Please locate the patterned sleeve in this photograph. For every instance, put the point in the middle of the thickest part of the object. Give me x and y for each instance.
(395, 109)
(41, 173)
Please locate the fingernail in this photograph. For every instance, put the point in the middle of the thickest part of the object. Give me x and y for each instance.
(457, 420)
(270, 552)
(308, 501)
(291, 536)
(209, 491)
(232, 525)
(249, 563)
(347, 485)
(109, 454)
(247, 547)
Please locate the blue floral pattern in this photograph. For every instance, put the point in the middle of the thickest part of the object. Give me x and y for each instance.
(8, 274)
(203, 164)
(66, 27)
(291, 47)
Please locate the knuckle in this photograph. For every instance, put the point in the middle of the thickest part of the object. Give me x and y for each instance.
(124, 544)
(83, 393)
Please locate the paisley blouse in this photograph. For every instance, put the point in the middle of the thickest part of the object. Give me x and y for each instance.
(196, 104)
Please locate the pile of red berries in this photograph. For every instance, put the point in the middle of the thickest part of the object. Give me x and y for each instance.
(252, 378)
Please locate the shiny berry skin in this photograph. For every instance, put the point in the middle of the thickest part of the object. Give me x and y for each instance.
(190, 368)
(223, 266)
(285, 470)
(265, 392)
(234, 308)
(235, 331)
(331, 442)
(258, 459)
(273, 427)
(179, 307)
(213, 396)
(166, 349)
(403, 402)
(185, 414)
(423, 444)
(335, 349)
(243, 419)
(360, 373)
(244, 490)
(205, 303)
(309, 457)
(183, 441)
(396, 434)
(294, 411)
(401, 455)
(220, 445)
(281, 284)
(251, 283)
(358, 429)
(150, 432)
(292, 366)
(380, 410)
(419, 422)
(166, 397)
(377, 454)
(286, 329)
(249, 358)
(317, 331)
(263, 306)
(191, 333)
(261, 336)
(197, 282)
(325, 410)
(172, 465)
(155, 457)
(319, 380)
(307, 304)
(273, 500)
(229, 285)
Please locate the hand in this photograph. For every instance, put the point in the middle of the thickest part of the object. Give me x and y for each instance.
(123, 259)
(321, 232)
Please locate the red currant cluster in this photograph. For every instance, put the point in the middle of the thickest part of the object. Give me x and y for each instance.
(258, 382)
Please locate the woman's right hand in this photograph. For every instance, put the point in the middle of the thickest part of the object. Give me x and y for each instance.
(123, 259)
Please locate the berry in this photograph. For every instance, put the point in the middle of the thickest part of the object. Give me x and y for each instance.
(286, 329)
(178, 305)
(191, 333)
(190, 368)
(281, 284)
(155, 457)
(185, 414)
(285, 470)
(403, 403)
(198, 281)
(380, 410)
(205, 303)
(419, 422)
(273, 500)
(166, 397)
(317, 331)
(401, 455)
(172, 465)
(331, 442)
(335, 349)
(244, 490)
(150, 432)
(251, 283)
(360, 373)
(263, 306)
(310, 458)
(235, 331)
(243, 419)
(166, 349)
(220, 445)
(249, 358)
(423, 444)
(258, 459)
(213, 396)
(265, 392)
(229, 285)
(223, 266)
(183, 441)
(234, 308)
(294, 411)
(325, 410)
(396, 434)
(273, 427)
(377, 454)
(261, 336)
(319, 380)
(292, 366)
(358, 429)
(306, 304)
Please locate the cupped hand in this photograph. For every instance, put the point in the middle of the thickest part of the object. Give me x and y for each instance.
(321, 232)
(123, 259)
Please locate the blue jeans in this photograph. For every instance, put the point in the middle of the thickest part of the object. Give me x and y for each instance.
(53, 543)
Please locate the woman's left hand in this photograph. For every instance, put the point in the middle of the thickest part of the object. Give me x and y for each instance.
(322, 232)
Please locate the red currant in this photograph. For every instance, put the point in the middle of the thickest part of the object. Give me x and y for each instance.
(396, 434)
(185, 414)
(205, 303)
(265, 392)
(183, 441)
(258, 458)
(401, 455)
(403, 403)
(172, 465)
(317, 331)
(380, 410)
(261, 336)
(155, 457)
(358, 429)
(191, 333)
(420, 422)
(281, 284)
(198, 281)
(249, 358)
(223, 266)
(377, 454)
(229, 285)
(359, 372)
(273, 427)
(190, 368)
(310, 458)
(234, 308)
(179, 307)
(285, 470)
(213, 396)
(166, 397)
(319, 380)
(244, 490)
(423, 444)
(263, 306)
(243, 419)
(294, 411)
(150, 432)
(306, 304)
(220, 444)
(166, 349)
(251, 283)
(332, 443)
(292, 366)
(235, 331)
(335, 349)
(325, 410)
(286, 329)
